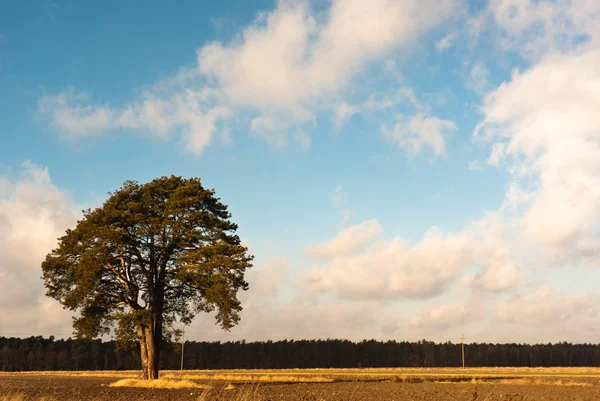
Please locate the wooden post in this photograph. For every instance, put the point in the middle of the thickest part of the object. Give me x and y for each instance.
(462, 342)
(182, 345)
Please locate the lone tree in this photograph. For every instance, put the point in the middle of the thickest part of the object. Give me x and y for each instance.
(152, 254)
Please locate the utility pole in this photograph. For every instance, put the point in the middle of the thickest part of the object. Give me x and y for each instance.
(462, 342)
(183, 345)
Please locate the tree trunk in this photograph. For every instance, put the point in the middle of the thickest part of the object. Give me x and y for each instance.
(148, 353)
(152, 355)
(156, 341)
(143, 352)
(158, 319)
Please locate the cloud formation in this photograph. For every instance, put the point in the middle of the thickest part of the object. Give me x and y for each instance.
(191, 114)
(535, 28)
(550, 315)
(544, 124)
(33, 214)
(294, 65)
(448, 315)
(346, 241)
(446, 42)
(364, 265)
(419, 131)
(391, 269)
(290, 64)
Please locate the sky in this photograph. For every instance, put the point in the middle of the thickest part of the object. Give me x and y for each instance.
(405, 170)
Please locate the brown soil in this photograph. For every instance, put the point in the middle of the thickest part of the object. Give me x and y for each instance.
(67, 388)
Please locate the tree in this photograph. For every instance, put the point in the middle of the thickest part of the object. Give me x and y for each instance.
(152, 254)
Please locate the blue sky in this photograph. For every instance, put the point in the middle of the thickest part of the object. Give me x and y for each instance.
(401, 169)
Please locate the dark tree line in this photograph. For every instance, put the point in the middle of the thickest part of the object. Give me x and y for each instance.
(38, 353)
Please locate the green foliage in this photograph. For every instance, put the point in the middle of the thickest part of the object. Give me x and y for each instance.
(126, 330)
(152, 254)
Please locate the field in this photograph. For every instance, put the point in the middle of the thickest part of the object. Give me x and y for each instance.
(309, 385)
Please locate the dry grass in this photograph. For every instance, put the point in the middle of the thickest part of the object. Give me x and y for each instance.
(518, 382)
(408, 372)
(548, 376)
(12, 397)
(530, 382)
(126, 374)
(252, 378)
(246, 383)
(247, 392)
(158, 383)
(204, 395)
(319, 374)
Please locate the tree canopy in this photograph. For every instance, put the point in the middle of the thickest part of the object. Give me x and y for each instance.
(150, 255)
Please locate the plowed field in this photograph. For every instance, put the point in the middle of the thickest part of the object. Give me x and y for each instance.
(347, 385)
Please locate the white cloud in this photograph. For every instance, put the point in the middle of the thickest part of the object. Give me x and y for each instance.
(279, 307)
(446, 42)
(475, 165)
(516, 197)
(303, 317)
(478, 78)
(294, 63)
(547, 307)
(188, 114)
(546, 119)
(288, 65)
(536, 27)
(416, 132)
(500, 274)
(303, 139)
(499, 253)
(339, 199)
(412, 133)
(386, 270)
(73, 116)
(271, 129)
(389, 99)
(391, 269)
(449, 315)
(543, 126)
(347, 241)
(372, 103)
(33, 214)
(265, 278)
(498, 150)
(302, 58)
(343, 112)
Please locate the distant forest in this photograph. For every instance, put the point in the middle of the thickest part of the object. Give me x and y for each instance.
(38, 353)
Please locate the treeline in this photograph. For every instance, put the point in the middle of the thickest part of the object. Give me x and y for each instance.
(38, 353)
